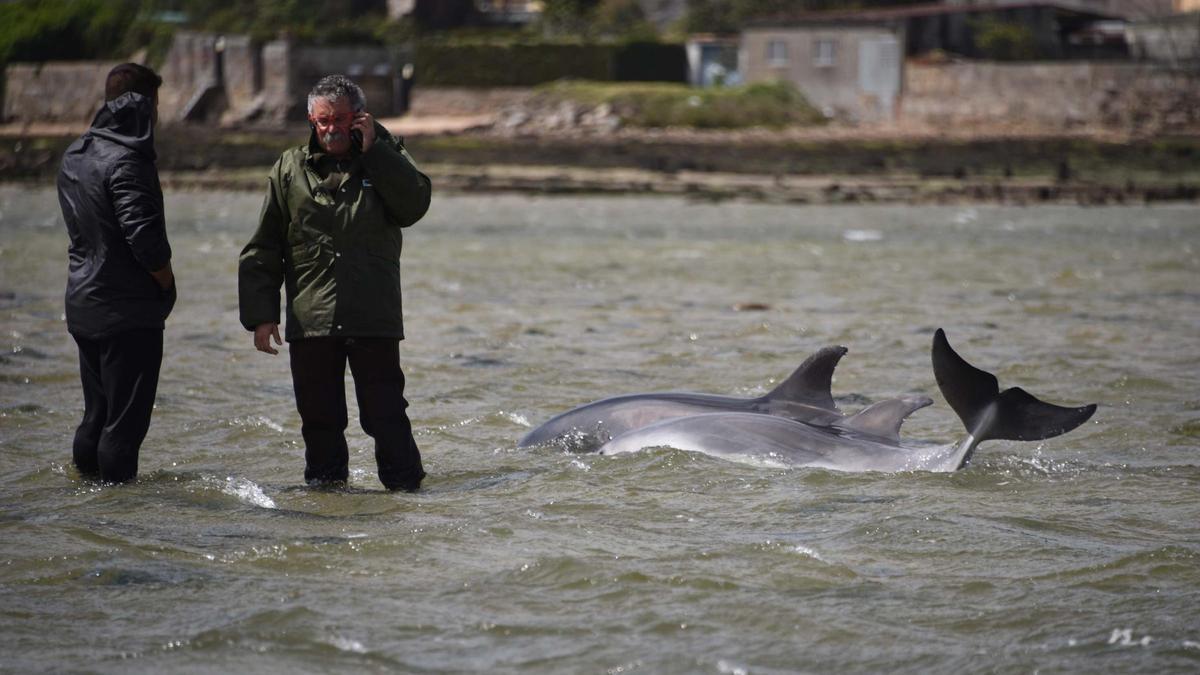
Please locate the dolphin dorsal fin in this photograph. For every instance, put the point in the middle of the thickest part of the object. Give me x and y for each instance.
(811, 382)
(884, 418)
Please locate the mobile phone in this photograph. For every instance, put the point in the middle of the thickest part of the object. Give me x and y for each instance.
(356, 139)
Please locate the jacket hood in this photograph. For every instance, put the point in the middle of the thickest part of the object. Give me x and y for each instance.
(127, 120)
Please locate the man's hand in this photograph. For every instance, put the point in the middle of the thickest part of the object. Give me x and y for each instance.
(365, 125)
(165, 277)
(262, 337)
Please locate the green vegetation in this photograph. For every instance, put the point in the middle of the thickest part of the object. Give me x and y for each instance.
(665, 104)
(621, 19)
(49, 30)
(57, 30)
(62, 29)
(462, 63)
(1004, 41)
(313, 21)
(508, 65)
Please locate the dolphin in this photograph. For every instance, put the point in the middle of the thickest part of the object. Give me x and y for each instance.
(870, 440)
(804, 395)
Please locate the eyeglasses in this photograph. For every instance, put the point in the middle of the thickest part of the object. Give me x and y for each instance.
(343, 120)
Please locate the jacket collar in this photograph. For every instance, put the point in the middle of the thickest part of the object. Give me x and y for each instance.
(127, 120)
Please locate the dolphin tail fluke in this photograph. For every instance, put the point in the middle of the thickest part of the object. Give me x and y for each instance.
(811, 382)
(988, 413)
(884, 418)
(1023, 417)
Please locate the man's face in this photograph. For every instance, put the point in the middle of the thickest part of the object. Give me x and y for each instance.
(332, 120)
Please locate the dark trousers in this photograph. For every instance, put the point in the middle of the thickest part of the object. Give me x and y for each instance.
(318, 376)
(120, 378)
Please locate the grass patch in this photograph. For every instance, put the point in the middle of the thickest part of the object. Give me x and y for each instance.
(657, 104)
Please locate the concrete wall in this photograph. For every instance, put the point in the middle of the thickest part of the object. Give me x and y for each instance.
(461, 101)
(62, 92)
(189, 68)
(280, 94)
(196, 61)
(264, 83)
(1054, 95)
(369, 66)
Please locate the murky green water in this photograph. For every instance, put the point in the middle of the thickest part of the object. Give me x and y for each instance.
(1078, 554)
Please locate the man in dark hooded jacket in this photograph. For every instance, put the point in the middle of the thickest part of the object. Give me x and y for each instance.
(120, 286)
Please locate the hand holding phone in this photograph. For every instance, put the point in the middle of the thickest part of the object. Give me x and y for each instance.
(362, 131)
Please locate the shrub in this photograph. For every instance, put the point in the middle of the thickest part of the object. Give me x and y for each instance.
(489, 64)
(668, 105)
(1004, 41)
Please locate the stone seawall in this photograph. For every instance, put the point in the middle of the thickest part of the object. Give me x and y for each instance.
(268, 88)
(62, 92)
(1131, 97)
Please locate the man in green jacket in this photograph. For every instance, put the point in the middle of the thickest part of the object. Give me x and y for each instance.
(330, 235)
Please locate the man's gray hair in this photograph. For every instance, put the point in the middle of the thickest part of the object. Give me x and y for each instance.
(333, 87)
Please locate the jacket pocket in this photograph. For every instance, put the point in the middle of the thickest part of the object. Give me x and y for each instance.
(311, 285)
(383, 278)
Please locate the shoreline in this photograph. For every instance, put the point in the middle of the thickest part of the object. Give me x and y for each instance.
(792, 166)
(715, 186)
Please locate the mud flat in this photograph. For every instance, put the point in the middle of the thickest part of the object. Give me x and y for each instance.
(789, 166)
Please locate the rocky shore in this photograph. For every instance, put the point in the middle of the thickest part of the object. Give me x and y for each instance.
(716, 186)
(806, 165)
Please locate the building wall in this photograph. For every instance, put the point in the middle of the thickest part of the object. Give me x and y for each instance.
(711, 57)
(1052, 95)
(1173, 40)
(59, 92)
(834, 85)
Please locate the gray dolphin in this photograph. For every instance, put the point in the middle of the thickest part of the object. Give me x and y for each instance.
(870, 441)
(804, 395)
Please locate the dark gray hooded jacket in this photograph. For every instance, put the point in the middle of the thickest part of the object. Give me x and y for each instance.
(113, 207)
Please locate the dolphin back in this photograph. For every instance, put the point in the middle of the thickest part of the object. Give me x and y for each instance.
(988, 413)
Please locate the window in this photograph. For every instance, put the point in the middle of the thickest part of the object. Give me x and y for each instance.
(825, 53)
(777, 53)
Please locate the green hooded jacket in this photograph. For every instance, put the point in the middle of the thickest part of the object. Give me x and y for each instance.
(329, 233)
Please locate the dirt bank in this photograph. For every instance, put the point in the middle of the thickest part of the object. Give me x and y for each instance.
(828, 165)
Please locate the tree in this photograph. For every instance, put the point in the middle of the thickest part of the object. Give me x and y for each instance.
(730, 16)
(568, 17)
(58, 30)
(442, 14)
(625, 19)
